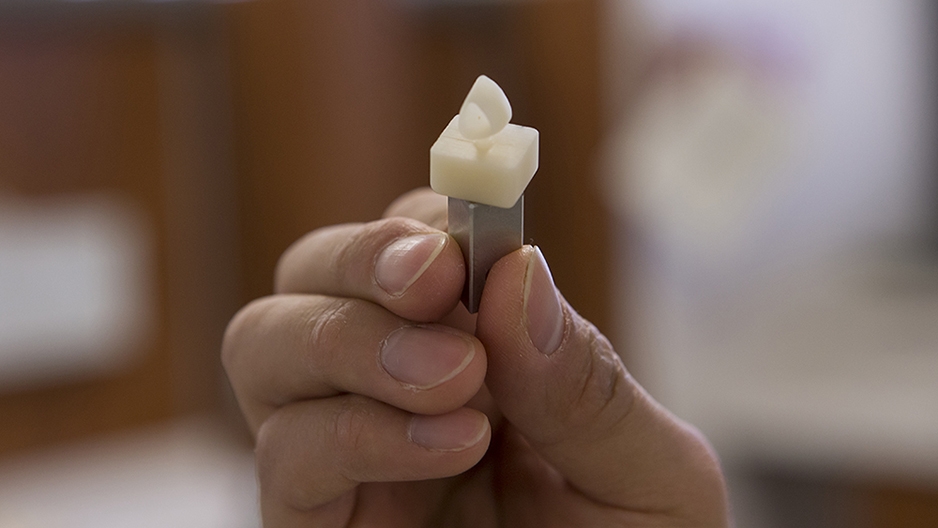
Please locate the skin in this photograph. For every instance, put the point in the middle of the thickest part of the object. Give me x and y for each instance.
(511, 435)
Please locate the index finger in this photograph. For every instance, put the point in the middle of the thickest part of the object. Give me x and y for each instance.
(411, 269)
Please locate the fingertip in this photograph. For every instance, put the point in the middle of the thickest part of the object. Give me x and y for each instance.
(501, 319)
(460, 430)
(402, 262)
(448, 444)
(516, 369)
(420, 276)
(504, 285)
(433, 376)
(541, 307)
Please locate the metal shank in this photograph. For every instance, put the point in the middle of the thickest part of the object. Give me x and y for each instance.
(485, 233)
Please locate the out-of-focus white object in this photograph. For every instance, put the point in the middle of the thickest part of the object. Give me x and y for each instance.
(828, 367)
(814, 134)
(494, 163)
(766, 195)
(185, 475)
(701, 151)
(76, 292)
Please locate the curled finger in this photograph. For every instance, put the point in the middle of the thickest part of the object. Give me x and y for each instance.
(312, 455)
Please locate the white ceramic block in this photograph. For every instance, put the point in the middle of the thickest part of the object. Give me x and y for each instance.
(493, 173)
(480, 157)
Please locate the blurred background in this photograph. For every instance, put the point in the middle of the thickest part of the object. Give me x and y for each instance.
(742, 194)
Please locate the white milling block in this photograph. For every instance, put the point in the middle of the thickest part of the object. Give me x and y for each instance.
(492, 171)
(480, 157)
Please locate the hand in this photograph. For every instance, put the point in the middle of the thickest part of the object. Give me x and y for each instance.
(373, 402)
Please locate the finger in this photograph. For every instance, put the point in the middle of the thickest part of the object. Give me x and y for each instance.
(561, 384)
(286, 348)
(413, 270)
(420, 204)
(311, 455)
(430, 208)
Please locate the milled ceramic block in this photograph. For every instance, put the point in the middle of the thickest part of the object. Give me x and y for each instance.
(492, 171)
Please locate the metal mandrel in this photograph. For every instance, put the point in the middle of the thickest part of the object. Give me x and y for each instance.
(485, 233)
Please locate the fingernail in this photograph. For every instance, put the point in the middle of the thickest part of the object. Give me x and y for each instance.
(404, 261)
(424, 357)
(449, 432)
(542, 305)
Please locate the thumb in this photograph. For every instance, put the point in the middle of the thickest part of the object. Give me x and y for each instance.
(557, 379)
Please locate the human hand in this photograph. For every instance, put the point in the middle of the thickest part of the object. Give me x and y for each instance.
(373, 404)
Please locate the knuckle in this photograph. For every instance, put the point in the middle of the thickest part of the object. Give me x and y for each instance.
(236, 335)
(602, 395)
(348, 255)
(277, 476)
(348, 427)
(284, 280)
(265, 450)
(371, 237)
(326, 328)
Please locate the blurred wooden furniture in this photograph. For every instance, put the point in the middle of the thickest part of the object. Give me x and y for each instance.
(125, 99)
(80, 113)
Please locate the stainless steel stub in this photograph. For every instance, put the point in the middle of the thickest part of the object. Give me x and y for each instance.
(485, 233)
